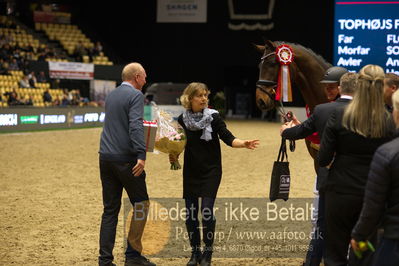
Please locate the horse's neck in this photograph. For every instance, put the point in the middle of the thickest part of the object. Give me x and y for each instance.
(309, 72)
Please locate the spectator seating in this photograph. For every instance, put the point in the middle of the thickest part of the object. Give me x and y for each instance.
(16, 36)
(71, 37)
(19, 47)
(19, 37)
(10, 82)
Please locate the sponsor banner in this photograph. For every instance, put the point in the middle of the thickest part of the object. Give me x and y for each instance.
(52, 119)
(78, 119)
(181, 11)
(29, 119)
(8, 120)
(52, 17)
(71, 70)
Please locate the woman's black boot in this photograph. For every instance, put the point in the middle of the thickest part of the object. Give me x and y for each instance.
(206, 259)
(208, 231)
(195, 243)
(195, 258)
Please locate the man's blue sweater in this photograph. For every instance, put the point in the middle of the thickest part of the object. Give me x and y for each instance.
(122, 138)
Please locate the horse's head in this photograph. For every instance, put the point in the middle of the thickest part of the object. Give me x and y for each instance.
(306, 71)
(268, 75)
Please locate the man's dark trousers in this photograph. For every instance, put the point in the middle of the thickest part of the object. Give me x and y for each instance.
(316, 245)
(387, 253)
(114, 177)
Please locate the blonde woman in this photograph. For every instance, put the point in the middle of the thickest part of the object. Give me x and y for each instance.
(202, 170)
(349, 141)
(381, 201)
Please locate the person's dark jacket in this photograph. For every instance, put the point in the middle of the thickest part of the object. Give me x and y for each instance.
(316, 122)
(13, 100)
(47, 97)
(32, 83)
(352, 154)
(41, 78)
(65, 101)
(381, 200)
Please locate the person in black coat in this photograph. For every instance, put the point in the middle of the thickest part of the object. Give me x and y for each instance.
(381, 200)
(349, 141)
(13, 99)
(202, 170)
(47, 97)
(316, 123)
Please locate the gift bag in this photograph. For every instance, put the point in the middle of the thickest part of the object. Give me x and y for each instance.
(280, 180)
(150, 131)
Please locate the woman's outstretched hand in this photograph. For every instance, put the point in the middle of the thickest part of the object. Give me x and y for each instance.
(251, 144)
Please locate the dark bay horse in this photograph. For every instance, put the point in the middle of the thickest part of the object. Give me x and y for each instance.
(306, 71)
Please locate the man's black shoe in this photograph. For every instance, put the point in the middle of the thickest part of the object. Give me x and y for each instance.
(139, 261)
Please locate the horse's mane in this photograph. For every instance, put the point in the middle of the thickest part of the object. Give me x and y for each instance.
(319, 58)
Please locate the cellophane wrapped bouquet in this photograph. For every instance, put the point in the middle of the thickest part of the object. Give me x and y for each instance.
(170, 137)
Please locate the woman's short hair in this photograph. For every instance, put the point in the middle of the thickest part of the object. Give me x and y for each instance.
(366, 115)
(190, 91)
(131, 70)
(348, 83)
(392, 79)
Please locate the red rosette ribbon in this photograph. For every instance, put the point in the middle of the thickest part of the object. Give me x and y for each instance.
(285, 56)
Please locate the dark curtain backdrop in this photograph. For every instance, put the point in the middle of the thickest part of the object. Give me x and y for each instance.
(208, 52)
(200, 51)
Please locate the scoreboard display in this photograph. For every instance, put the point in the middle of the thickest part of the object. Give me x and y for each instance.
(366, 32)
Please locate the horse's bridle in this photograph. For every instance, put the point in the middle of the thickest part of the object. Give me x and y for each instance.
(267, 83)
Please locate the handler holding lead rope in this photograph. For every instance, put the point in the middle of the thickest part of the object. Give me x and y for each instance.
(315, 124)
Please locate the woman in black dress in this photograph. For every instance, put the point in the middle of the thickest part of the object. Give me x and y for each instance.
(202, 170)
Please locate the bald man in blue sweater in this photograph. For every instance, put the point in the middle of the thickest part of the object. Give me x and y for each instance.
(122, 161)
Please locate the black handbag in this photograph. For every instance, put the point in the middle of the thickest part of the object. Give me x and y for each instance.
(280, 180)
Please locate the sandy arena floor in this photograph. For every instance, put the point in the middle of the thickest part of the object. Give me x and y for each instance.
(50, 192)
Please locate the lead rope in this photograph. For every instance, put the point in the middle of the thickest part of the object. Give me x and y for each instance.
(287, 118)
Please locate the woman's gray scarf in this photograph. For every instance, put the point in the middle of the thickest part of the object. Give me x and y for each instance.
(200, 120)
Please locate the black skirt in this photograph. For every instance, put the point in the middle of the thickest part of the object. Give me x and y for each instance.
(202, 169)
